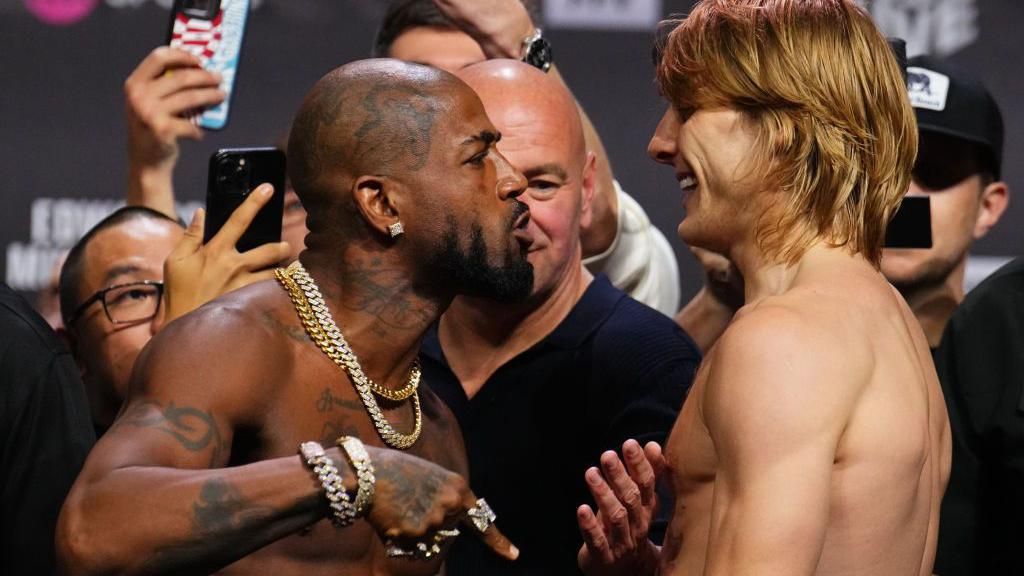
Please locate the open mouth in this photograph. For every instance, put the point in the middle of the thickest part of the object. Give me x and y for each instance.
(687, 183)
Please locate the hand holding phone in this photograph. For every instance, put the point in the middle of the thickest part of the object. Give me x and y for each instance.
(212, 32)
(233, 174)
(196, 272)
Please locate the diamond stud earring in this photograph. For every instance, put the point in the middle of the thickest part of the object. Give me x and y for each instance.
(396, 229)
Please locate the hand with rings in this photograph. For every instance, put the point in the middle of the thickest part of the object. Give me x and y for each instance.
(419, 508)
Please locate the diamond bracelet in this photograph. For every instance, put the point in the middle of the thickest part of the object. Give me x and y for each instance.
(359, 458)
(343, 513)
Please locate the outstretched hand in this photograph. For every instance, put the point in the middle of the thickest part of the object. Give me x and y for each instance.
(499, 26)
(195, 273)
(415, 498)
(615, 539)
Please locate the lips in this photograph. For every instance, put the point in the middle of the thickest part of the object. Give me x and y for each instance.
(520, 226)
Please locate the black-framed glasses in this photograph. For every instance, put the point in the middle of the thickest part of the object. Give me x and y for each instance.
(126, 303)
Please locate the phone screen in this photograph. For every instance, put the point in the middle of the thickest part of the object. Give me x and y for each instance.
(911, 226)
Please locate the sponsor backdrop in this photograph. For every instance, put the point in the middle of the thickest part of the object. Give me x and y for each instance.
(63, 63)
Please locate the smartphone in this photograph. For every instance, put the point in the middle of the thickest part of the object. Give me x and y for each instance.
(234, 174)
(211, 30)
(911, 226)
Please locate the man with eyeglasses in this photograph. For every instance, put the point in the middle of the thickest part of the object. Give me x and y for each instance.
(112, 293)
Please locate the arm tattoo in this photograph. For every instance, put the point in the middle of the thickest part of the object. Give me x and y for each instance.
(223, 521)
(194, 429)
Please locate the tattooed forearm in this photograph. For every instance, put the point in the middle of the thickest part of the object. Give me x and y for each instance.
(193, 429)
(223, 521)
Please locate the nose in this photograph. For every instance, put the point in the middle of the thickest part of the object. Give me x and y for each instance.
(663, 147)
(511, 182)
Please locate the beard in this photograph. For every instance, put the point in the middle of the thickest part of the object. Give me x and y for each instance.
(928, 274)
(470, 271)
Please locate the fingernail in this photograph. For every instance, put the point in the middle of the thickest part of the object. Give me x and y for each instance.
(515, 551)
(631, 447)
(266, 190)
(593, 476)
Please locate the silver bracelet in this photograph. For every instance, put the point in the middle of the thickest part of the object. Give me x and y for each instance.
(343, 513)
(359, 458)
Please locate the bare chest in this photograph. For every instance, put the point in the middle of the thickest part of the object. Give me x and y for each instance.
(318, 402)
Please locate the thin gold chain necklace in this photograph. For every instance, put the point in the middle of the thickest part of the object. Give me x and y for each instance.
(322, 329)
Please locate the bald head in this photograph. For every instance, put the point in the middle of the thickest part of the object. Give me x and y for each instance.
(516, 94)
(367, 117)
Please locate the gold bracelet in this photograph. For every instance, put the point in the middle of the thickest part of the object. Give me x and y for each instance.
(359, 458)
(343, 513)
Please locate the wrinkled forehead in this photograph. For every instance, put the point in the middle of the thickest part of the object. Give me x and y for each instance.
(129, 251)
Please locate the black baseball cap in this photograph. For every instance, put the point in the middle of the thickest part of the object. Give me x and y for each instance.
(952, 102)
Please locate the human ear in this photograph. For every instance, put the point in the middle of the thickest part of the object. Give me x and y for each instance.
(589, 184)
(376, 199)
(994, 199)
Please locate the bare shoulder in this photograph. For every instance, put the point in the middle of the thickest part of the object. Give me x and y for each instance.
(779, 362)
(229, 346)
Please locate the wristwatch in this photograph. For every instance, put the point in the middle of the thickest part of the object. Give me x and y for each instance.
(536, 51)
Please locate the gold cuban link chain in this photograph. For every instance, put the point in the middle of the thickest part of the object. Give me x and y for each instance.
(322, 329)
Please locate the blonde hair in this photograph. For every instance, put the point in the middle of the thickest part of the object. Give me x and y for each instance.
(821, 85)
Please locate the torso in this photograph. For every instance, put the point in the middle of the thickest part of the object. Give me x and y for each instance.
(893, 456)
(310, 398)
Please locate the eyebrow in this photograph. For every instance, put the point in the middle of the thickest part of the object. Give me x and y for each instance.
(485, 136)
(551, 168)
(120, 271)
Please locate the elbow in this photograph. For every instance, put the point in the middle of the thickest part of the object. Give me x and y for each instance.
(83, 547)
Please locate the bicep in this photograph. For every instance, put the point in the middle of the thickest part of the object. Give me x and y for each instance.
(183, 404)
(775, 418)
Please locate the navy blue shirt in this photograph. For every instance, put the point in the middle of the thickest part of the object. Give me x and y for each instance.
(614, 369)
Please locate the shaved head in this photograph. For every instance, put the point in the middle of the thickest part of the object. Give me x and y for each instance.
(516, 94)
(370, 117)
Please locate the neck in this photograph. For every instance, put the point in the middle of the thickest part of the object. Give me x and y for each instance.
(763, 279)
(480, 328)
(933, 304)
(378, 308)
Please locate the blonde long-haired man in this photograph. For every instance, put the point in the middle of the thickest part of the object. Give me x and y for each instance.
(815, 439)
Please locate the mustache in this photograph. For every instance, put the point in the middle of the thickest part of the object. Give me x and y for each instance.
(518, 209)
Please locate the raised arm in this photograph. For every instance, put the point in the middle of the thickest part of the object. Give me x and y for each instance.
(165, 86)
(775, 408)
(500, 26)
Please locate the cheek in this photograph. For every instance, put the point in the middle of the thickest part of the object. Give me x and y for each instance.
(556, 220)
(121, 349)
(952, 216)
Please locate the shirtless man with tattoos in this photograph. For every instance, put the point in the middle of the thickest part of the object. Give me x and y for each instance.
(409, 205)
(815, 439)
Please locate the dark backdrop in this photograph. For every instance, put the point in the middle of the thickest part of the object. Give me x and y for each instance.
(62, 158)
